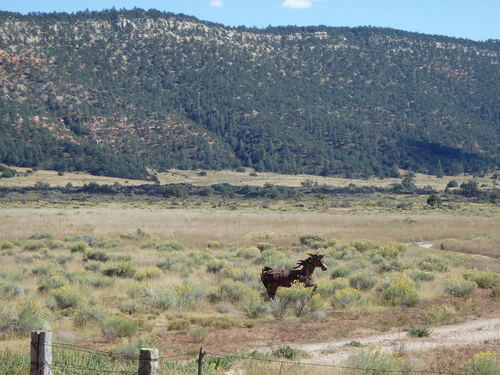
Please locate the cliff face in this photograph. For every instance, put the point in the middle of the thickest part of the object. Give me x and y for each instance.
(162, 90)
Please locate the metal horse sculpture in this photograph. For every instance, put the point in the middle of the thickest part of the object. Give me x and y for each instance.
(303, 272)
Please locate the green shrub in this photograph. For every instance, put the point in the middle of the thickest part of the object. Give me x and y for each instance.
(42, 236)
(327, 288)
(214, 245)
(12, 275)
(6, 246)
(440, 314)
(63, 259)
(253, 305)
(239, 274)
(389, 251)
(483, 279)
(495, 291)
(418, 275)
(198, 333)
(100, 282)
(250, 252)
(53, 245)
(299, 299)
(188, 294)
(287, 352)
(119, 327)
(129, 347)
(312, 240)
(483, 363)
(220, 322)
(93, 266)
(185, 267)
(279, 307)
(363, 245)
(341, 271)
(21, 319)
(97, 255)
(201, 257)
(149, 273)
(34, 246)
(119, 269)
(129, 306)
(9, 290)
(225, 307)
(121, 258)
(398, 290)
(434, 200)
(459, 287)
(168, 263)
(79, 247)
(30, 317)
(376, 362)
(53, 282)
(163, 299)
(67, 296)
(47, 270)
(364, 280)
(182, 296)
(419, 331)
(14, 363)
(178, 324)
(270, 257)
(215, 265)
(391, 265)
(89, 314)
(347, 297)
(433, 264)
(264, 246)
(169, 246)
(232, 291)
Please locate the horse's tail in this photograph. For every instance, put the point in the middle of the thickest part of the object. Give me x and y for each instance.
(265, 281)
(263, 275)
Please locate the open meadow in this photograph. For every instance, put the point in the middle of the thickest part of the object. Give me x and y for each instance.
(248, 177)
(181, 274)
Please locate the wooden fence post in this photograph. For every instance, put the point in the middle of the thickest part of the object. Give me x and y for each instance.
(41, 353)
(201, 362)
(148, 362)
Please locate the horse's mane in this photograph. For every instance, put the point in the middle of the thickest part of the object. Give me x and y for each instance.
(303, 262)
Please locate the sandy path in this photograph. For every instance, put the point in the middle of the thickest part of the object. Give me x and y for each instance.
(472, 332)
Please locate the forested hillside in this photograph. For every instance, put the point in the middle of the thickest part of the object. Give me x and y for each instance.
(114, 92)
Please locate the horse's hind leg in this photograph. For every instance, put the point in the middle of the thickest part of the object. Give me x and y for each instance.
(271, 291)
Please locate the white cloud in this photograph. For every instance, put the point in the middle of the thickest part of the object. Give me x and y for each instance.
(217, 3)
(297, 4)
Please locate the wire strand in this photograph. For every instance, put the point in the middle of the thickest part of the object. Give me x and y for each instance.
(241, 357)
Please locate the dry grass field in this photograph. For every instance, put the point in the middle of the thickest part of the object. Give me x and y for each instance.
(195, 228)
(177, 274)
(175, 176)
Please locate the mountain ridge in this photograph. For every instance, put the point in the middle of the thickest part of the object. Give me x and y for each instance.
(153, 89)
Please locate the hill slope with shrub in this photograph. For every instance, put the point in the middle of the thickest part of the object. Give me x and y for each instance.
(114, 92)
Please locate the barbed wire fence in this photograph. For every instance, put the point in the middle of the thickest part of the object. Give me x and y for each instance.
(53, 358)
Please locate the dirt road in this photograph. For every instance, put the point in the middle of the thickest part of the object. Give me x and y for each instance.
(476, 331)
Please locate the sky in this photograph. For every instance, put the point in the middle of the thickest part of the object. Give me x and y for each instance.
(469, 19)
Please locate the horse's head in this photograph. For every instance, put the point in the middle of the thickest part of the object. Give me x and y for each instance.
(317, 261)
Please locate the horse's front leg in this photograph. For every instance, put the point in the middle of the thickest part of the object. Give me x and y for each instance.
(314, 286)
(310, 284)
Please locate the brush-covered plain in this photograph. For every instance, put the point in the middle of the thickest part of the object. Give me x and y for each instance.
(176, 284)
